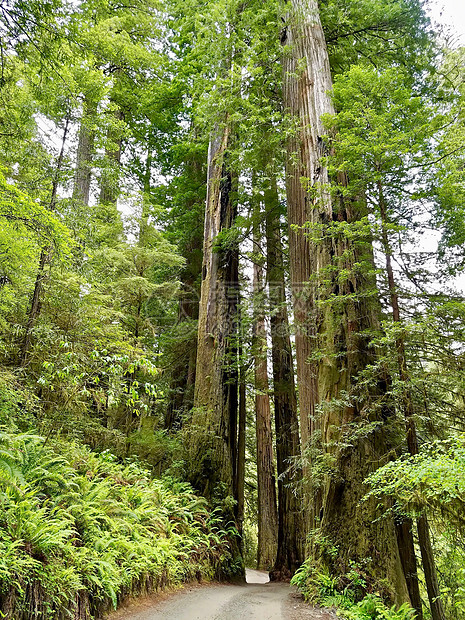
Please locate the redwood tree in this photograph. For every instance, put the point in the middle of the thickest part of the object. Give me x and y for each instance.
(213, 427)
(267, 511)
(332, 315)
(290, 553)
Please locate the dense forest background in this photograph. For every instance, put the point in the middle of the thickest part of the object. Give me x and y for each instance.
(232, 235)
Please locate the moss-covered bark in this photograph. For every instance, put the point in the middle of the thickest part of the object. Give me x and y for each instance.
(333, 313)
(212, 452)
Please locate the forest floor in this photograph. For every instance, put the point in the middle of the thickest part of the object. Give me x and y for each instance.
(256, 600)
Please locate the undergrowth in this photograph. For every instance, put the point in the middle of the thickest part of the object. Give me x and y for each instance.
(348, 594)
(80, 532)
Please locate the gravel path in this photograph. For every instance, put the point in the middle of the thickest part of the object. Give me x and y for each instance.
(256, 600)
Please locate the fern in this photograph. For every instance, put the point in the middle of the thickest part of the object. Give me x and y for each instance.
(373, 608)
(73, 522)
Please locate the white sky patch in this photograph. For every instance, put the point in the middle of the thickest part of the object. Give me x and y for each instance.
(451, 14)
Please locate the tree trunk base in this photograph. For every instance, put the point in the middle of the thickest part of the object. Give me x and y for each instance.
(281, 574)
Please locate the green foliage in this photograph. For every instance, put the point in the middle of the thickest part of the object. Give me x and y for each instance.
(448, 183)
(17, 404)
(75, 524)
(347, 593)
(433, 480)
(385, 33)
(19, 211)
(302, 579)
(158, 448)
(383, 129)
(450, 562)
(373, 608)
(432, 483)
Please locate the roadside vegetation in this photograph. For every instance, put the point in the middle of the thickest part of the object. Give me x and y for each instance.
(82, 531)
(430, 483)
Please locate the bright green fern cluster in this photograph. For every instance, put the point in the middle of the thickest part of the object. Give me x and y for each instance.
(79, 532)
(373, 608)
(348, 594)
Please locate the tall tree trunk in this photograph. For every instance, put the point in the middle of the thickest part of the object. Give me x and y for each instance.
(213, 428)
(424, 540)
(290, 554)
(291, 531)
(406, 544)
(107, 214)
(109, 181)
(241, 441)
(45, 255)
(147, 185)
(307, 83)
(330, 346)
(85, 153)
(267, 512)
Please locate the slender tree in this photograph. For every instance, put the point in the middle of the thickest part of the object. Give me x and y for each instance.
(241, 445)
(85, 152)
(267, 511)
(290, 553)
(45, 254)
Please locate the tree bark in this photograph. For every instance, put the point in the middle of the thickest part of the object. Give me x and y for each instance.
(307, 82)
(85, 153)
(291, 536)
(332, 314)
(405, 542)
(109, 181)
(241, 444)
(267, 512)
(429, 569)
(213, 428)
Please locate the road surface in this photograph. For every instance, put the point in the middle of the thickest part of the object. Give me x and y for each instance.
(256, 600)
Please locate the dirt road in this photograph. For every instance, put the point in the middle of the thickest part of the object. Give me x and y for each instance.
(256, 600)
